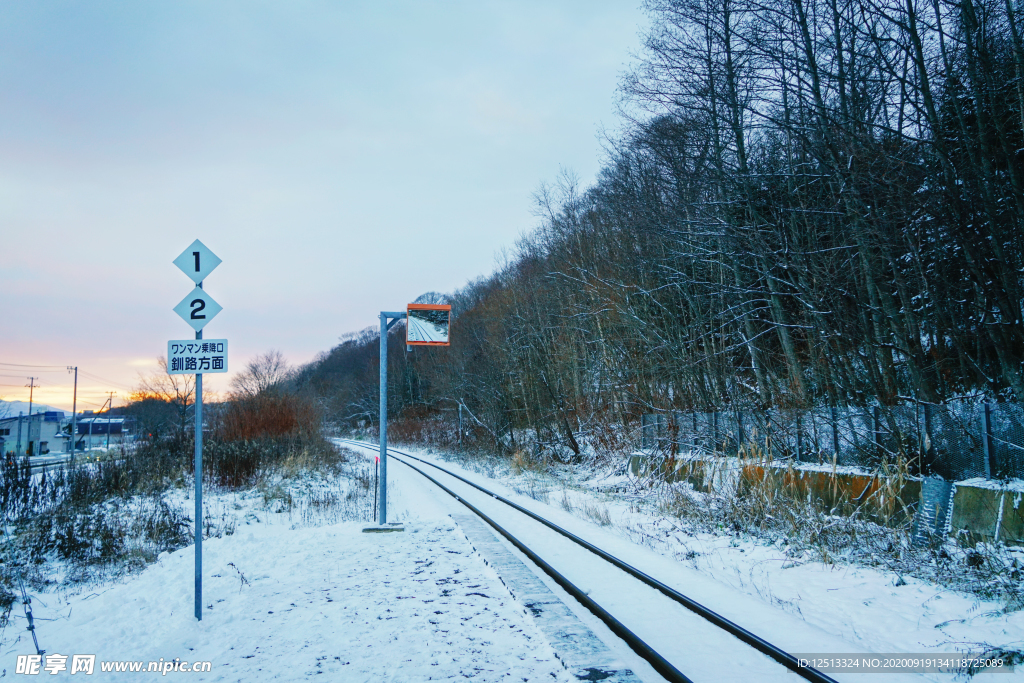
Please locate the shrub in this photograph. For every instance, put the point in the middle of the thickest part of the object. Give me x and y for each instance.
(267, 415)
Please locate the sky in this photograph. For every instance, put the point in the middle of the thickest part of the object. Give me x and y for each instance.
(341, 158)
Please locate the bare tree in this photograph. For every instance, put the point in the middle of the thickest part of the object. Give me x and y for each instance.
(813, 202)
(263, 373)
(177, 391)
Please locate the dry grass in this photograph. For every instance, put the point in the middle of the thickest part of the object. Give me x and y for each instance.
(533, 487)
(586, 508)
(596, 513)
(522, 461)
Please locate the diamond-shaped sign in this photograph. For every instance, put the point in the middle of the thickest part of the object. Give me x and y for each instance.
(198, 308)
(197, 261)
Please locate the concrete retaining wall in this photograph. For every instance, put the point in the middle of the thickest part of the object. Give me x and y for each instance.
(982, 510)
(986, 513)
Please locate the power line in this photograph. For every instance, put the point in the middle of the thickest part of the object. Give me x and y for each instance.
(38, 384)
(7, 368)
(19, 365)
(56, 368)
(89, 375)
(81, 400)
(104, 379)
(14, 376)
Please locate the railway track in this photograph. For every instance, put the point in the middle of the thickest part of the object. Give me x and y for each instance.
(737, 637)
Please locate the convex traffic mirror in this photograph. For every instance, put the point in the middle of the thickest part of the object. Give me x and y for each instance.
(428, 324)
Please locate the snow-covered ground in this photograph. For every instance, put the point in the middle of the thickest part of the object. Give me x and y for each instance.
(291, 594)
(289, 598)
(870, 609)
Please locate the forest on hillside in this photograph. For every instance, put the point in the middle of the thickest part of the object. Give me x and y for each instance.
(813, 202)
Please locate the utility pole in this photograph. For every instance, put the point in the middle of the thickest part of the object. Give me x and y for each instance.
(31, 392)
(112, 393)
(74, 408)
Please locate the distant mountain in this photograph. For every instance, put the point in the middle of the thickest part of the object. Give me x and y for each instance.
(11, 408)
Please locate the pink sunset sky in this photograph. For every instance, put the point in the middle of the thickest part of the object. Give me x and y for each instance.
(341, 158)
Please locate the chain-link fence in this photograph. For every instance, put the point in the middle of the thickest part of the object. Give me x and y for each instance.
(957, 440)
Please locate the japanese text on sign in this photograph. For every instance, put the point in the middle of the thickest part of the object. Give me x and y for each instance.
(190, 357)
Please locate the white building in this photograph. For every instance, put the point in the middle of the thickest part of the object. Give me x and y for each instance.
(36, 435)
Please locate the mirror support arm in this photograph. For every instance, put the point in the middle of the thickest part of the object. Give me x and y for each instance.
(396, 316)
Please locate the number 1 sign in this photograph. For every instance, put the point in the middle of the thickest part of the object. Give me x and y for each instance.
(197, 261)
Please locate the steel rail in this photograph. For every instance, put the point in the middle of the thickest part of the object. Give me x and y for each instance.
(659, 663)
(751, 639)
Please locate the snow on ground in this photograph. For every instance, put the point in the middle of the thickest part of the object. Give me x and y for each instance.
(288, 600)
(866, 607)
(292, 593)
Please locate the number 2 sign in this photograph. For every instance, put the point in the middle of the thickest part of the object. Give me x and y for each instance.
(198, 308)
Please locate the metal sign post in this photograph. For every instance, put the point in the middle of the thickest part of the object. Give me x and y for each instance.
(198, 467)
(428, 325)
(186, 358)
